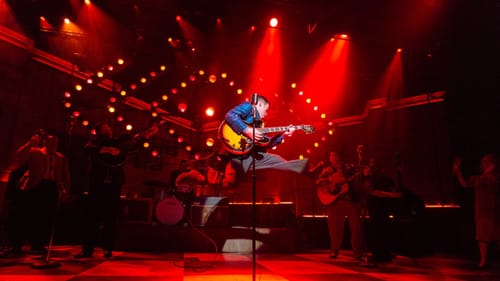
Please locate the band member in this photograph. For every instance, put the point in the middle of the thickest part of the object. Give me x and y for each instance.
(334, 191)
(241, 120)
(107, 156)
(48, 177)
(381, 202)
(487, 202)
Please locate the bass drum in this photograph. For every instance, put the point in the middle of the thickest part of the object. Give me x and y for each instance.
(169, 211)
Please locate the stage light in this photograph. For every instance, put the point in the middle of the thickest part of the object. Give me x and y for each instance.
(210, 142)
(112, 99)
(301, 93)
(316, 144)
(180, 139)
(188, 148)
(110, 68)
(119, 118)
(183, 84)
(90, 81)
(154, 104)
(231, 83)
(273, 22)
(154, 153)
(163, 68)
(123, 93)
(120, 61)
(78, 87)
(239, 91)
(145, 144)
(111, 109)
(343, 36)
(293, 85)
(67, 21)
(252, 28)
(129, 127)
(315, 108)
(154, 114)
(67, 104)
(323, 138)
(152, 74)
(171, 131)
(42, 18)
(323, 115)
(223, 75)
(133, 86)
(330, 132)
(308, 151)
(67, 95)
(169, 40)
(164, 97)
(76, 113)
(87, 2)
(85, 123)
(93, 132)
(192, 77)
(144, 80)
(212, 78)
(218, 20)
(201, 72)
(178, 18)
(399, 50)
(210, 111)
(308, 100)
(100, 74)
(182, 107)
(197, 156)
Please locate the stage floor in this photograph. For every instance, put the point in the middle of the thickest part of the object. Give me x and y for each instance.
(234, 266)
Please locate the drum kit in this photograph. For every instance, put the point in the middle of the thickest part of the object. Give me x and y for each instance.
(172, 204)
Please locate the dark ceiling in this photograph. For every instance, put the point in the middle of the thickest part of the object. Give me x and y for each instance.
(143, 27)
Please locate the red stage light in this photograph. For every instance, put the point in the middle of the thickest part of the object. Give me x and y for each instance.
(180, 139)
(178, 18)
(182, 107)
(210, 111)
(76, 113)
(273, 22)
(154, 153)
(154, 104)
(399, 50)
(67, 95)
(112, 99)
(119, 118)
(67, 21)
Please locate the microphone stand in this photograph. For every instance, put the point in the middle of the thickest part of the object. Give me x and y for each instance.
(254, 197)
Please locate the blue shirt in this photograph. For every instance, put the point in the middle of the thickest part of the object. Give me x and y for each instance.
(241, 116)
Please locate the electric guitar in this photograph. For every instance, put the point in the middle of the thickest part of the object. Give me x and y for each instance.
(239, 144)
(330, 192)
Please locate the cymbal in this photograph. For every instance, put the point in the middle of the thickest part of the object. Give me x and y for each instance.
(156, 183)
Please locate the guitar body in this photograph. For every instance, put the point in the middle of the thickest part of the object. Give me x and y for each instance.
(239, 144)
(233, 142)
(331, 192)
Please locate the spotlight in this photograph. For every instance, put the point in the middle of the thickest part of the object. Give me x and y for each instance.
(273, 22)
(399, 50)
(87, 2)
(120, 61)
(67, 21)
(210, 111)
(182, 107)
(210, 142)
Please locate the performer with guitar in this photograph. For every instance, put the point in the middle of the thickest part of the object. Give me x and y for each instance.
(107, 156)
(333, 189)
(237, 133)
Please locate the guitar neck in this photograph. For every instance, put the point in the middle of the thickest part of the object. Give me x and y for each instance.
(278, 129)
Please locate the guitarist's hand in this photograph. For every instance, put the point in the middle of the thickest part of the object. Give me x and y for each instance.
(248, 132)
(290, 130)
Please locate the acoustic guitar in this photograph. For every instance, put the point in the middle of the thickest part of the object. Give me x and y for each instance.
(239, 144)
(330, 192)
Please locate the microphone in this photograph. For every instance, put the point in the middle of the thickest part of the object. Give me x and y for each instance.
(255, 98)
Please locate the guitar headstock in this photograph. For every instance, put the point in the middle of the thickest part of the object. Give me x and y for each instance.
(308, 129)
